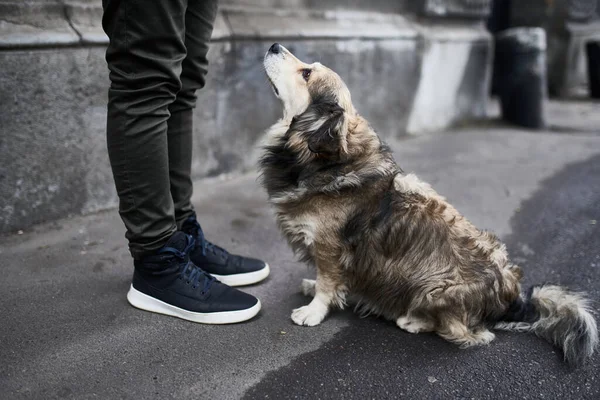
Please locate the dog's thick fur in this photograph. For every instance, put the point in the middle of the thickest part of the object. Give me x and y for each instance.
(387, 238)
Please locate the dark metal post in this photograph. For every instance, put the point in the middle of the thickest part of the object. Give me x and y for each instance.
(521, 75)
(593, 63)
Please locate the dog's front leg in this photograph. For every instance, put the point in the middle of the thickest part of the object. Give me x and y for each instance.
(308, 287)
(327, 291)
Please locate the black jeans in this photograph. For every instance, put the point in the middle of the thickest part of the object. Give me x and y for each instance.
(157, 61)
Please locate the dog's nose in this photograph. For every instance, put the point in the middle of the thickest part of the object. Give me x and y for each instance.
(275, 48)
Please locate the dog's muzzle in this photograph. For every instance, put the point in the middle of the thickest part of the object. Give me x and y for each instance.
(274, 50)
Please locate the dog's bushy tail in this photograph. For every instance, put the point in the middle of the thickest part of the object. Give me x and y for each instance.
(558, 315)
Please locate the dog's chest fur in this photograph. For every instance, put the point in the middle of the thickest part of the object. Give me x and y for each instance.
(300, 231)
(312, 223)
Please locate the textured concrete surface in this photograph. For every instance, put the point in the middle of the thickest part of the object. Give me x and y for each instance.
(396, 6)
(34, 23)
(458, 8)
(575, 116)
(52, 135)
(68, 332)
(454, 79)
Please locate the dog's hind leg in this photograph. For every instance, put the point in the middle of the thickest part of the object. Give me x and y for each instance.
(327, 292)
(308, 287)
(457, 332)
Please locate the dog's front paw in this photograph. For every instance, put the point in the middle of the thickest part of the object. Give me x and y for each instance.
(308, 316)
(413, 325)
(308, 287)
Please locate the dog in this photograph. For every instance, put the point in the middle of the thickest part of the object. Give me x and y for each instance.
(388, 239)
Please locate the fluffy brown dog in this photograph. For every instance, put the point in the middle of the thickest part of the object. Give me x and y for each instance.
(387, 238)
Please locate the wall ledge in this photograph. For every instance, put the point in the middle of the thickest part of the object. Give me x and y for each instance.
(79, 24)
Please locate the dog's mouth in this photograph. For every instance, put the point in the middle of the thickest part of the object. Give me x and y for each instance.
(273, 86)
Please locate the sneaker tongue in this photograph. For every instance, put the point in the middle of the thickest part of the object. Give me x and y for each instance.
(190, 225)
(178, 241)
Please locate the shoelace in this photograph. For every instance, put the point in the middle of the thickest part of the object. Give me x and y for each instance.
(190, 272)
(206, 245)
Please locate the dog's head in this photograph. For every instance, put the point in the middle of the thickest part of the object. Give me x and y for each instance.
(317, 105)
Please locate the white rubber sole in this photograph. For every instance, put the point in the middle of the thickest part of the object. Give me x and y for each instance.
(244, 279)
(148, 303)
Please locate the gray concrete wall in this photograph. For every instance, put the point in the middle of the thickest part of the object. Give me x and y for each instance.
(394, 6)
(52, 144)
(406, 75)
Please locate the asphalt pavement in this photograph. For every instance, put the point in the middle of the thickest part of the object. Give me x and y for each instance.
(67, 331)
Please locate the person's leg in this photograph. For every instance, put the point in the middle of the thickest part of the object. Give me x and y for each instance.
(228, 268)
(180, 163)
(144, 57)
(199, 20)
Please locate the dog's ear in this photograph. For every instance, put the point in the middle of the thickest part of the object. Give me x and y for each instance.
(321, 125)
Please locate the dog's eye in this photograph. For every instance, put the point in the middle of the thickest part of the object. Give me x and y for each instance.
(306, 74)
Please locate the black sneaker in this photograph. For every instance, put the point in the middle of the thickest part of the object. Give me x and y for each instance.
(228, 268)
(169, 283)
